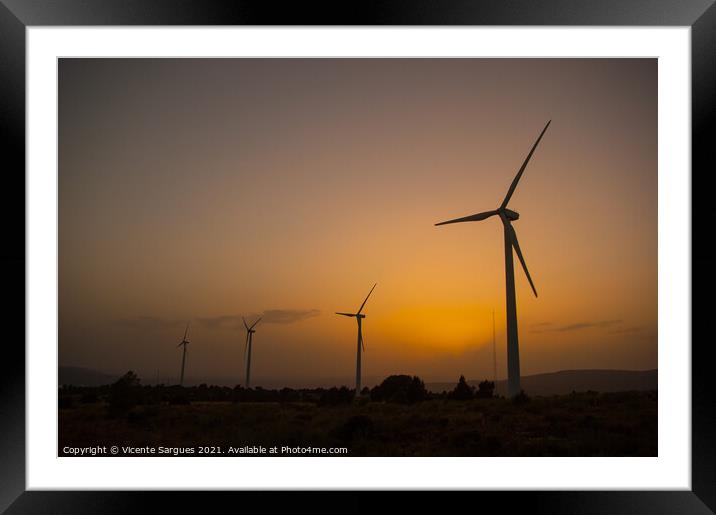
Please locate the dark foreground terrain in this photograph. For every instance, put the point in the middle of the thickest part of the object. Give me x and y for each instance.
(577, 424)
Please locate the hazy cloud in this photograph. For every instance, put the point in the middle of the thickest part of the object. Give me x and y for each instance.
(269, 316)
(576, 327)
(288, 316)
(222, 322)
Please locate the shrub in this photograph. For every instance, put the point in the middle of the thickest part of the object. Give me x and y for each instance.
(520, 398)
(462, 391)
(124, 393)
(400, 388)
(486, 389)
(289, 395)
(355, 427)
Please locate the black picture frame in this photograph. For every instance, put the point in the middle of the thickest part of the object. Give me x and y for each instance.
(17, 15)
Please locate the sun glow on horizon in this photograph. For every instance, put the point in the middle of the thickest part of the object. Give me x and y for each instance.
(291, 186)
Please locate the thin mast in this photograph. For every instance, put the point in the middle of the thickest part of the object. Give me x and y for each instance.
(494, 351)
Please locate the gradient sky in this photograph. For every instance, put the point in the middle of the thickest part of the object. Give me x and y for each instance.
(204, 190)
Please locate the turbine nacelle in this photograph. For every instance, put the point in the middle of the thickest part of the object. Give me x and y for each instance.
(251, 329)
(511, 215)
(358, 314)
(184, 341)
(354, 315)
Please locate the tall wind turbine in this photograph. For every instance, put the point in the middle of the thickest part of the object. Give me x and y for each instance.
(359, 318)
(508, 216)
(184, 342)
(247, 348)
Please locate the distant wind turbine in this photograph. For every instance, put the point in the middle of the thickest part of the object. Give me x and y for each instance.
(359, 317)
(508, 216)
(184, 343)
(247, 348)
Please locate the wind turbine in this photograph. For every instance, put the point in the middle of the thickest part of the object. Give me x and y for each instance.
(184, 342)
(359, 317)
(508, 216)
(247, 347)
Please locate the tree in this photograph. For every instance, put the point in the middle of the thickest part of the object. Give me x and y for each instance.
(124, 393)
(462, 391)
(400, 388)
(486, 389)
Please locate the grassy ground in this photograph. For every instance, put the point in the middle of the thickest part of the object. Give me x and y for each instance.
(585, 424)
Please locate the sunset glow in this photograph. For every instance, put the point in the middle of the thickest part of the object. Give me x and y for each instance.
(207, 190)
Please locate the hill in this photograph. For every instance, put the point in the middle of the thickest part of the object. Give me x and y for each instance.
(566, 381)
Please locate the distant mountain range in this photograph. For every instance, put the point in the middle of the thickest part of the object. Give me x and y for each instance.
(566, 381)
(553, 383)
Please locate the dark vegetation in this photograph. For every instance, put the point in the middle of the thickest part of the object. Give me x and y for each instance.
(400, 389)
(399, 417)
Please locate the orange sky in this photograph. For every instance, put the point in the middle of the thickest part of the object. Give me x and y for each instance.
(211, 189)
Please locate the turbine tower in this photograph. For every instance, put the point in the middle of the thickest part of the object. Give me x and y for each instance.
(508, 216)
(247, 348)
(359, 318)
(184, 343)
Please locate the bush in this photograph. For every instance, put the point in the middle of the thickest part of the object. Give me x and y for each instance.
(520, 398)
(289, 395)
(400, 388)
(486, 389)
(462, 391)
(124, 393)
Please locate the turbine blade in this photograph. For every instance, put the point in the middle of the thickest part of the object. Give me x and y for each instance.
(246, 346)
(516, 246)
(522, 169)
(259, 320)
(472, 218)
(245, 324)
(180, 344)
(346, 314)
(361, 342)
(366, 299)
(186, 330)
